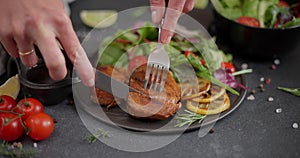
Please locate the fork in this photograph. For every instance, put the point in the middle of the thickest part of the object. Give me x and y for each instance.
(157, 66)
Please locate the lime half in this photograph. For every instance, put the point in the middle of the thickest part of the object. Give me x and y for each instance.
(99, 18)
(11, 87)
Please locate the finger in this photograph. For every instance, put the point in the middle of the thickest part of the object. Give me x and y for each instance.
(52, 55)
(26, 51)
(173, 13)
(10, 46)
(188, 6)
(77, 55)
(157, 8)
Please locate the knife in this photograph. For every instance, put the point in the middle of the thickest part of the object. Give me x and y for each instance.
(112, 86)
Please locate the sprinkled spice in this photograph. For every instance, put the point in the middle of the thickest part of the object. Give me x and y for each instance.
(279, 110)
(244, 66)
(262, 79)
(211, 131)
(276, 61)
(270, 99)
(35, 145)
(273, 67)
(295, 125)
(251, 97)
(268, 81)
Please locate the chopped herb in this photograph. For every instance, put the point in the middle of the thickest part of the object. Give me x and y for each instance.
(244, 71)
(9, 150)
(92, 138)
(294, 91)
(188, 119)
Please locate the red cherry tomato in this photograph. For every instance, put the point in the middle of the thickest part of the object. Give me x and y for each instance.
(7, 103)
(229, 66)
(187, 53)
(40, 126)
(29, 106)
(249, 21)
(283, 4)
(136, 62)
(10, 127)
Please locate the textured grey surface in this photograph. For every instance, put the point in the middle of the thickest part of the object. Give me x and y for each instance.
(253, 130)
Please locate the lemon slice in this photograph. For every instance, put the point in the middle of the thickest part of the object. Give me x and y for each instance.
(215, 107)
(190, 91)
(215, 93)
(99, 18)
(11, 87)
(200, 4)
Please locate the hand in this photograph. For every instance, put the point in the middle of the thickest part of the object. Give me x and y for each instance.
(25, 23)
(174, 10)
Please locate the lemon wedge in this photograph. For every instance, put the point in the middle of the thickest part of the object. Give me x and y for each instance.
(200, 4)
(11, 87)
(99, 18)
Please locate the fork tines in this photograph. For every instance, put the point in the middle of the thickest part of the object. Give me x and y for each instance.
(155, 77)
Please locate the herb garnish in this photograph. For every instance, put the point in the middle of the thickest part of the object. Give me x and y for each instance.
(92, 138)
(294, 91)
(188, 119)
(9, 150)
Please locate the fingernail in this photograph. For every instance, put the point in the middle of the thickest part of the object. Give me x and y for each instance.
(155, 17)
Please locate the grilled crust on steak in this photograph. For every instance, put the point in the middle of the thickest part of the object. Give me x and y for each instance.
(142, 106)
(106, 99)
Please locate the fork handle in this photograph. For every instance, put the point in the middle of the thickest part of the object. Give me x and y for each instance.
(159, 29)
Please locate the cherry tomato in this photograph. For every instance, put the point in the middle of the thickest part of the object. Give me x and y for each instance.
(29, 106)
(7, 103)
(10, 127)
(249, 21)
(40, 126)
(187, 53)
(136, 62)
(283, 4)
(229, 66)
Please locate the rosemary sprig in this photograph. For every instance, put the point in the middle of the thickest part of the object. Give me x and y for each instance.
(188, 119)
(9, 150)
(92, 138)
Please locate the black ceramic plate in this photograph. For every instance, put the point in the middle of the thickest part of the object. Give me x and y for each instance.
(117, 117)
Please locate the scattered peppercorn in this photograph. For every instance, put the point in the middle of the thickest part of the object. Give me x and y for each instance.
(55, 120)
(270, 99)
(262, 79)
(268, 81)
(251, 97)
(273, 67)
(253, 91)
(244, 66)
(211, 131)
(295, 125)
(276, 61)
(279, 110)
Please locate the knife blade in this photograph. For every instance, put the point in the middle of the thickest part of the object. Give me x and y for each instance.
(112, 86)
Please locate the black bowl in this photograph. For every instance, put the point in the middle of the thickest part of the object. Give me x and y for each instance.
(36, 82)
(253, 42)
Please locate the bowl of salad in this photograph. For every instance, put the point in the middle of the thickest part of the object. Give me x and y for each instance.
(258, 29)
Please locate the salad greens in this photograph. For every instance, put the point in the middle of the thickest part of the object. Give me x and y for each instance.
(141, 41)
(268, 12)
